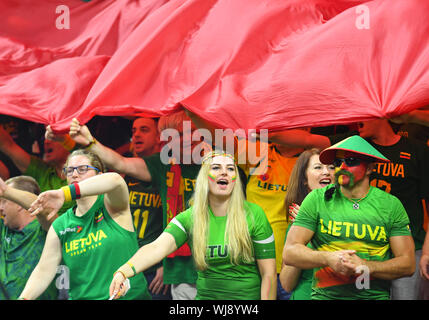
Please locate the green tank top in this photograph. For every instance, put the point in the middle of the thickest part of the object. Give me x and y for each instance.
(94, 246)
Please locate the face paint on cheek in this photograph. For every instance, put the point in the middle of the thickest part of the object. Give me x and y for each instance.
(233, 178)
(349, 176)
(212, 177)
(358, 171)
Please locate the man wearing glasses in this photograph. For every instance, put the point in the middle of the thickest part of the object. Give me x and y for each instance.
(360, 233)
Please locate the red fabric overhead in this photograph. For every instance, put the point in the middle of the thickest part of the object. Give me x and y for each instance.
(239, 64)
(46, 72)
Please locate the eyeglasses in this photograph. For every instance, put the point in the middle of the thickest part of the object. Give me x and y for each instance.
(68, 171)
(350, 162)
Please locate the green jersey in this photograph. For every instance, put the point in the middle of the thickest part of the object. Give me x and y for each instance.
(405, 177)
(179, 268)
(337, 225)
(94, 246)
(20, 252)
(222, 279)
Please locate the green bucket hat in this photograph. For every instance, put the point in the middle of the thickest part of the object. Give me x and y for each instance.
(356, 145)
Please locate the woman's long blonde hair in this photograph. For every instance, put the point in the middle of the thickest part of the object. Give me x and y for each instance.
(237, 235)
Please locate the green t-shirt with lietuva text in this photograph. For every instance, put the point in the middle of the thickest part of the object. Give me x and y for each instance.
(338, 226)
(223, 280)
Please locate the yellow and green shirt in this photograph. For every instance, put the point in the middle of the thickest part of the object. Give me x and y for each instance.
(338, 226)
(268, 189)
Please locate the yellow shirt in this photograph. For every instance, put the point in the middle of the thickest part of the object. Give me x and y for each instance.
(268, 190)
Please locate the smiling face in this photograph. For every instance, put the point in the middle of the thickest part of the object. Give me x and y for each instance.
(318, 175)
(222, 176)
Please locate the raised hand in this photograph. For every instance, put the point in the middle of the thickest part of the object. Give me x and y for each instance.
(50, 135)
(48, 202)
(80, 134)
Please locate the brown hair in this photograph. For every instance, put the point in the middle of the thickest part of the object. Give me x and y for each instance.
(94, 159)
(297, 188)
(24, 183)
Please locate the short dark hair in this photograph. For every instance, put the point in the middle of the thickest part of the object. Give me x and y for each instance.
(24, 183)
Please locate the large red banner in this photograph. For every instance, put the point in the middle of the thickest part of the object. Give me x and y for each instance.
(271, 64)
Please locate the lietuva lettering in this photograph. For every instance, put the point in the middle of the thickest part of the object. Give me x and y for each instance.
(146, 199)
(84, 243)
(270, 186)
(390, 169)
(353, 230)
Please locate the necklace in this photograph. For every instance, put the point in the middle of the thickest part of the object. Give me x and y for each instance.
(356, 202)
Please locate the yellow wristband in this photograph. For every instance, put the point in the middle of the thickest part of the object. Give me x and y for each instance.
(91, 144)
(132, 267)
(67, 193)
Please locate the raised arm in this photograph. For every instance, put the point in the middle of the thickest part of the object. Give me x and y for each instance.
(418, 116)
(25, 199)
(135, 167)
(8, 146)
(299, 138)
(46, 269)
(4, 171)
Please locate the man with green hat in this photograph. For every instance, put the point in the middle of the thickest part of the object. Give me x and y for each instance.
(360, 233)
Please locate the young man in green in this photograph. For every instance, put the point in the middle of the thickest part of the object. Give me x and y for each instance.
(353, 227)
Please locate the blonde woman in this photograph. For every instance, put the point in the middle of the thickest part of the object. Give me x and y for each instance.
(231, 239)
